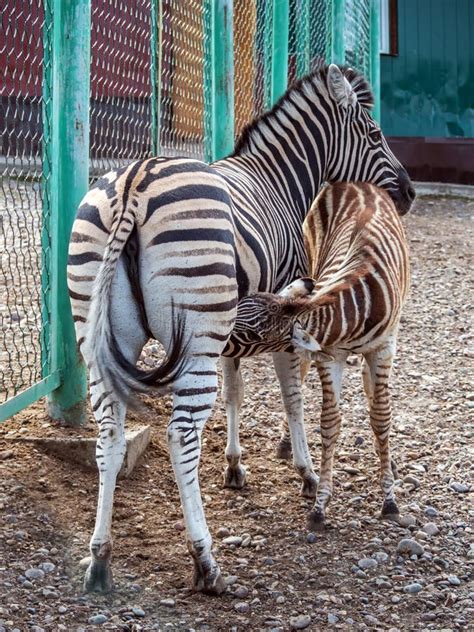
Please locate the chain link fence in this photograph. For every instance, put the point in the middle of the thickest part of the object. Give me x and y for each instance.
(150, 93)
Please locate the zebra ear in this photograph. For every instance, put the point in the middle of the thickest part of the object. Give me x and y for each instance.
(301, 339)
(340, 88)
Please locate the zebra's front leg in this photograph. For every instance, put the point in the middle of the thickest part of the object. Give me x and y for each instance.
(233, 394)
(287, 367)
(376, 373)
(330, 374)
(110, 451)
(193, 399)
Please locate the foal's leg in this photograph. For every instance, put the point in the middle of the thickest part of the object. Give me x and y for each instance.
(330, 373)
(109, 413)
(287, 367)
(193, 399)
(376, 374)
(233, 393)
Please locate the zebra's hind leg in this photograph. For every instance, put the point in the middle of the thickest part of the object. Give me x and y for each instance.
(233, 393)
(287, 367)
(330, 373)
(110, 451)
(194, 394)
(376, 373)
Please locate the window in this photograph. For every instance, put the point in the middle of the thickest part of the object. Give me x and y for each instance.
(388, 27)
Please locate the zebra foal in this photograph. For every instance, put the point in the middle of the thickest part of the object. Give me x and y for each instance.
(358, 258)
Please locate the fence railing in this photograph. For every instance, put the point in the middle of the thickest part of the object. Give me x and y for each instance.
(90, 85)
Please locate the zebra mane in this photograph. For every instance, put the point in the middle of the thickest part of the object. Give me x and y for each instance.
(315, 82)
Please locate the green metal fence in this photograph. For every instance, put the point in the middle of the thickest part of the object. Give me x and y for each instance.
(93, 84)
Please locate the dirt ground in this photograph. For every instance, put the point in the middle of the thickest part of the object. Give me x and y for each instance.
(279, 576)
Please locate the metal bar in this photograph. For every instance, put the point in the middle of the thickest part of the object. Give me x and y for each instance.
(70, 173)
(207, 69)
(29, 396)
(222, 69)
(338, 52)
(302, 38)
(46, 163)
(375, 56)
(280, 34)
(156, 19)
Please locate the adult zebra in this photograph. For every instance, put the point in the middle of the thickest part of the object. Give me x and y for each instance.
(164, 248)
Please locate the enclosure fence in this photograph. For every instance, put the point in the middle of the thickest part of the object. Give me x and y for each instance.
(90, 85)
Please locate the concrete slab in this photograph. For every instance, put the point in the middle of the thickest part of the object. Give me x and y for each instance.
(81, 450)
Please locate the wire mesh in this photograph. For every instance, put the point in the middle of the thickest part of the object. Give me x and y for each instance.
(251, 23)
(357, 35)
(24, 174)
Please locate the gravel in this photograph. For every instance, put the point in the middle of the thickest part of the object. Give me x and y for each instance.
(282, 575)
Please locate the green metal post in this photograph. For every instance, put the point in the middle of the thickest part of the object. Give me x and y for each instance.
(280, 34)
(207, 72)
(338, 52)
(221, 72)
(302, 38)
(375, 56)
(69, 183)
(156, 19)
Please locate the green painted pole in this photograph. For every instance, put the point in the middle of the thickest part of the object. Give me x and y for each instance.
(69, 183)
(375, 56)
(222, 73)
(280, 34)
(156, 25)
(302, 38)
(338, 52)
(207, 72)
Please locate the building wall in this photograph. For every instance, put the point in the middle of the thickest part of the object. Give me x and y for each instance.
(428, 89)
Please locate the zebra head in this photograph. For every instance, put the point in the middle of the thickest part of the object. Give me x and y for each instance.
(272, 319)
(360, 151)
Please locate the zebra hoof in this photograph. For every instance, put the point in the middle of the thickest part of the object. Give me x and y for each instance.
(309, 486)
(284, 451)
(210, 582)
(390, 511)
(234, 477)
(315, 520)
(98, 577)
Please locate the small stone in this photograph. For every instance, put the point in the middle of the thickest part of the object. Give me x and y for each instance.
(459, 488)
(232, 540)
(85, 562)
(409, 546)
(169, 603)
(407, 521)
(138, 612)
(311, 538)
(241, 607)
(34, 573)
(281, 599)
(222, 532)
(431, 512)
(395, 599)
(97, 619)
(413, 589)
(62, 609)
(454, 580)
(411, 480)
(300, 622)
(231, 579)
(6, 454)
(370, 620)
(431, 528)
(366, 563)
(241, 592)
(47, 567)
(380, 556)
(332, 619)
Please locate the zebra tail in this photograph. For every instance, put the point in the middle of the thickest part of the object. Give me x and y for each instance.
(101, 348)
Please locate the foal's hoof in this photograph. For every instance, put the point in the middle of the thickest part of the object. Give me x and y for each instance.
(98, 577)
(315, 521)
(284, 451)
(390, 511)
(309, 486)
(234, 477)
(210, 583)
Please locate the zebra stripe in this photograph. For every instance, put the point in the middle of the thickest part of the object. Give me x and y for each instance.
(166, 246)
